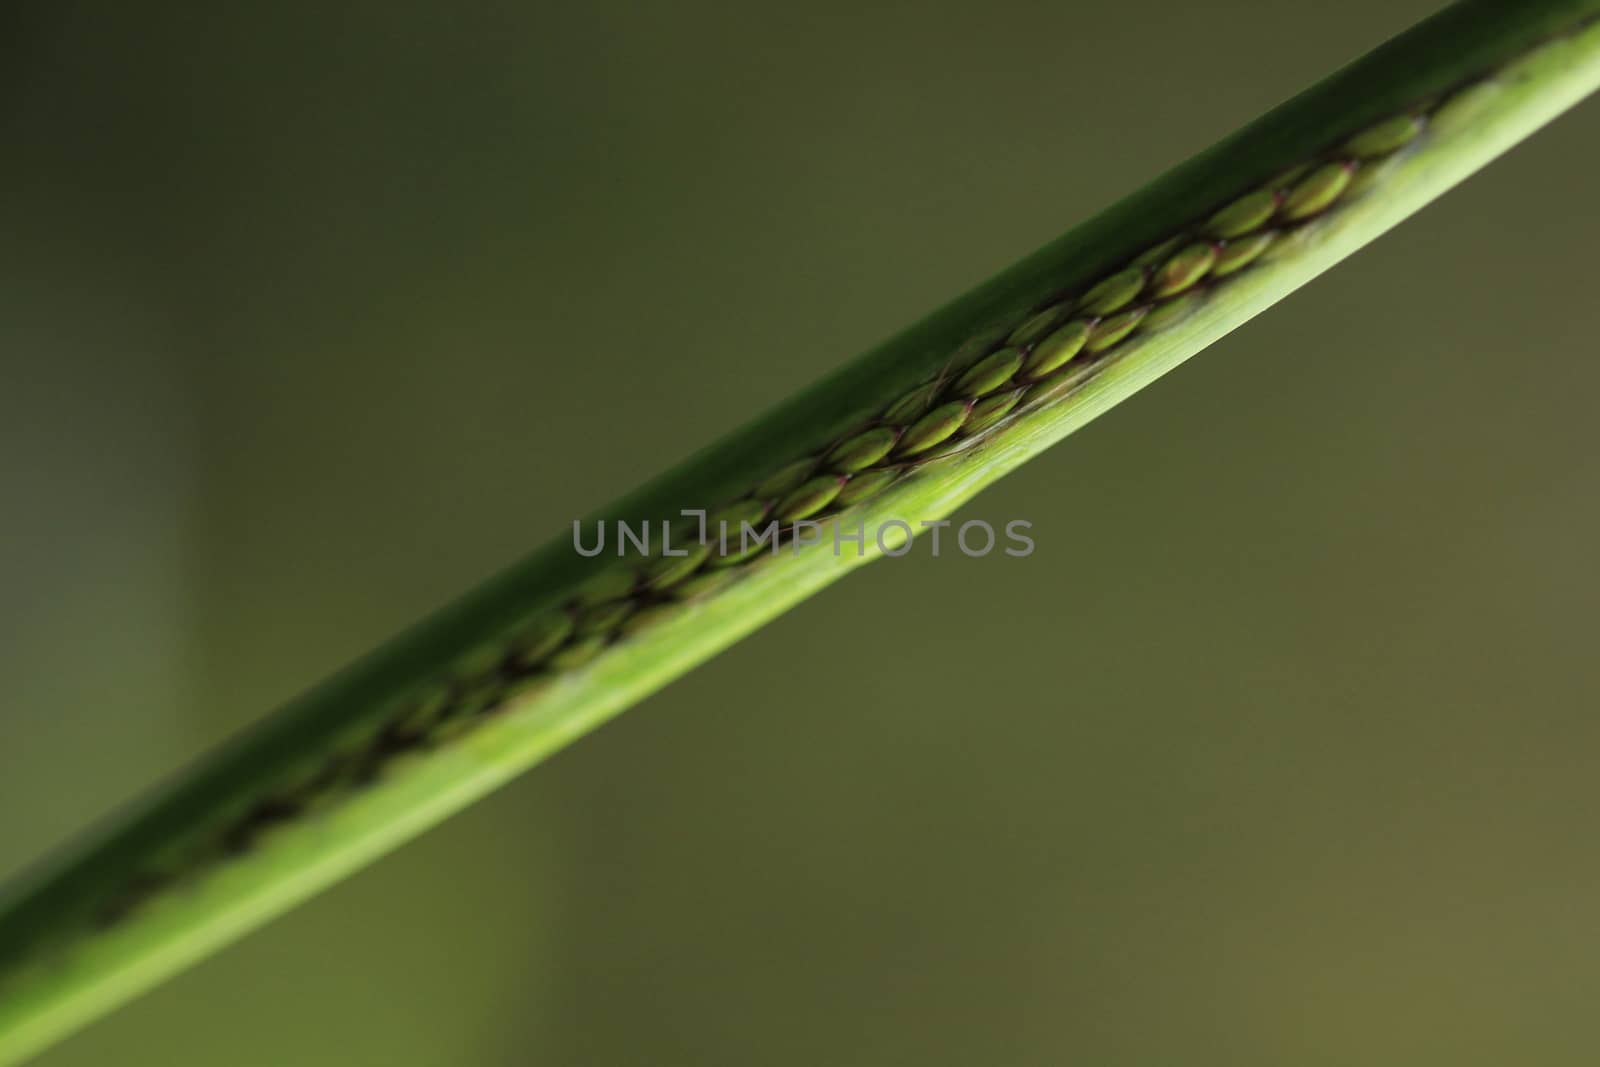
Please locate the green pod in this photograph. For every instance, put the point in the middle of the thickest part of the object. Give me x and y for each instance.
(862, 450)
(423, 712)
(987, 412)
(1057, 349)
(1111, 331)
(1244, 215)
(1385, 138)
(1037, 326)
(911, 405)
(1115, 293)
(864, 485)
(1150, 257)
(1183, 270)
(1318, 191)
(704, 584)
(645, 618)
(612, 584)
(602, 618)
(536, 640)
(990, 374)
(809, 499)
(723, 529)
(932, 428)
(786, 479)
(1236, 255)
(577, 653)
(667, 571)
(1172, 312)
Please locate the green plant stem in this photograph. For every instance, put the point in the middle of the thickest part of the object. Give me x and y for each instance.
(560, 643)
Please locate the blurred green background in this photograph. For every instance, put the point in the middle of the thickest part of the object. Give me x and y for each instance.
(1280, 749)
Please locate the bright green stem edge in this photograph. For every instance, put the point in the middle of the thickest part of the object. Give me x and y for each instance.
(55, 975)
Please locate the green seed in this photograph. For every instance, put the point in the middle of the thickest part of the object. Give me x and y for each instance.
(608, 585)
(704, 584)
(786, 479)
(985, 413)
(989, 375)
(538, 639)
(578, 653)
(809, 499)
(425, 711)
(1037, 326)
(1172, 312)
(1056, 349)
(864, 485)
(1113, 330)
(651, 616)
(479, 662)
(1152, 256)
(1236, 255)
(527, 688)
(723, 528)
(1318, 191)
(912, 404)
(862, 450)
(1243, 215)
(669, 570)
(1054, 385)
(1183, 270)
(733, 545)
(603, 618)
(1115, 293)
(1290, 176)
(932, 428)
(1385, 137)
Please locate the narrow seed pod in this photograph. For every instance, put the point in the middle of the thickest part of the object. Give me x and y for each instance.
(1150, 257)
(1051, 386)
(1318, 191)
(669, 570)
(704, 584)
(527, 688)
(989, 375)
(786, 479)
(536, 640)
(602, 618)
(1115, 293)
(424, 711)
(1056, 349)
(612, 584)
(1244, 215)
(1291, 176)
(1386, 137)
(1183, 270)
(578, 653)
(479, 662)
(724, 528)
(809, 499)
(1111, 331)
(864, 485)
(987, 412)
(650, 616)
(1037, 326)
(862, 450)
(1172, 312)
(932, 428)
(1236, 255)
(911, 405)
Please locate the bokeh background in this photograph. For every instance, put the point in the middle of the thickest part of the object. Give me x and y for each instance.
(1280, 749)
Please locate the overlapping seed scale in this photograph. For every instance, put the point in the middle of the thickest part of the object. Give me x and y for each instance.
(989, 374)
